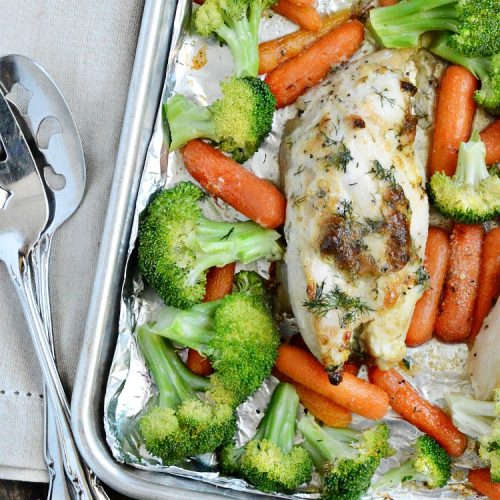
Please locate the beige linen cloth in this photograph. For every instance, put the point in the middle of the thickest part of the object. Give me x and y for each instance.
(88, 48)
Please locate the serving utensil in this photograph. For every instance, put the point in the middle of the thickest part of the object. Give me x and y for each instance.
(56, 144)
(23, 216)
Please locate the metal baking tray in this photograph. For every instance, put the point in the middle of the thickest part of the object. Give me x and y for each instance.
(161, 35)
(161, 23)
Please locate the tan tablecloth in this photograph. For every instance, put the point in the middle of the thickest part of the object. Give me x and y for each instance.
(88, 48)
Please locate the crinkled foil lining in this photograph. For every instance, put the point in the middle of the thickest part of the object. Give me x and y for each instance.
(435, 369)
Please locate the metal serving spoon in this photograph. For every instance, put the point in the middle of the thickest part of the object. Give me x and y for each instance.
(59, 154)
(24, 213)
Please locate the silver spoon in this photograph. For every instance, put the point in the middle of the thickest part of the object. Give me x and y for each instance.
(59, 154)
(24, 214)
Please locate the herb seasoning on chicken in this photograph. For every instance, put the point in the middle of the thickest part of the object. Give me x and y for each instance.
(357, 213)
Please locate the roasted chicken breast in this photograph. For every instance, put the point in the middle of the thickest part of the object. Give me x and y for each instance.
(357, 213)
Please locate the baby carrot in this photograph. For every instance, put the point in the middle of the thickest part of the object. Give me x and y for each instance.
(416, 410)
(387, 3)
(437, 252)
(198, 363)
(222, 177)
(290, 80)
(305, 16)
(323, 408)
(352, 393)
(302, 2)
(219, 284)
(454, 114)
(274, 52)
(489, 281)
(481, 481)
(454, 318)
(491, 138)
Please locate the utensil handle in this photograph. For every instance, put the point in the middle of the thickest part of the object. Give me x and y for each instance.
(53, 454)
(19, 272)
(59, 463)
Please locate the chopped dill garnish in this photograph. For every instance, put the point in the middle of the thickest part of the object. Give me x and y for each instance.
(384, 174)
(345, 209)
(348, 308)
(422, 275)
(374, 224)
(340, 159)
(384, 98)
(227, 235)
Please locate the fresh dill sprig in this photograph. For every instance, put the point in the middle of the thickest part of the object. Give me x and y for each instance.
(340, 159)
(384, 174)
(348, 308)
(384, 98)
(345, 209)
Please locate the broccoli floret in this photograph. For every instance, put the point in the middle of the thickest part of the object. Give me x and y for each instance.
(236, 22)
(270, 460)
(480, 420)
(486, 69)
(238, 122)
(180, 424)
(346, 459)
(475, 24)
(251, 283)
(238, 334)
(430, 464)
(471, 196)
(177, 245)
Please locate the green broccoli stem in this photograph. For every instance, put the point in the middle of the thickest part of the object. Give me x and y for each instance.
(159, 355)
(471, 165)
(192, 328)
(328, 444)
(241, 38)
(478, 66)
(402, 24)
(188, 121)
(278, 424)
(398, 475)
(216, 244)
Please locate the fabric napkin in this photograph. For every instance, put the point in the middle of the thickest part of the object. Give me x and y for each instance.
(88, 48)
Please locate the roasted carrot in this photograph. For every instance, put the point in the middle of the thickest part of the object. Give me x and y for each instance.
(222, 177)
(454, 320)
(323, 408)
(305, 16)
(406, 401)
(302, 2)
(491, 138)
(437, 252)
(481, 481)
(454, 114)
(352, 393)
(277, 51)
(219, 284)
(489, 281)
(198, 363)
(351, 367)
(387, 3)
(290, 80)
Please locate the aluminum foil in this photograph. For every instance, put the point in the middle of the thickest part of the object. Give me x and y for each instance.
(435, 369)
